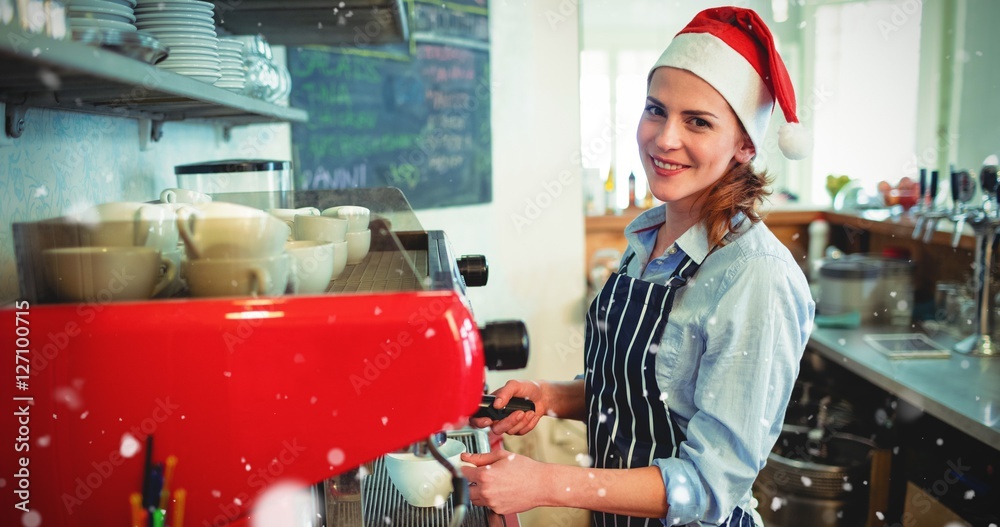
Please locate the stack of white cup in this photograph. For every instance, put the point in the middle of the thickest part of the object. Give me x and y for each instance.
(233, 250)
(358, 235)
(124, 252)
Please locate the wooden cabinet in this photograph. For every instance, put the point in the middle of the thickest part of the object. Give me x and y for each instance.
(790, 226)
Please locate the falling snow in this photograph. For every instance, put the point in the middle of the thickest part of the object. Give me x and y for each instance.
(44, 441)
(429, 333)
(385, 420)
(848, 487)
(970, 494)
(378, 310)
(807, 482)
(335, 456)
(939, 441)
(31, 519)
(129, 445)
(601, 492)
(880, 515)
(281, 504)
(41, 191)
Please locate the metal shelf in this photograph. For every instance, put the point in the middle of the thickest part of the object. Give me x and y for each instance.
(40, 72)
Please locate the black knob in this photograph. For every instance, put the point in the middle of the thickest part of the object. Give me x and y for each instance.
(988, 178)
(474, 270)
(505, 345)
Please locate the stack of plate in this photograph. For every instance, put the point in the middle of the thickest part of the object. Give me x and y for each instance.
(188, 29)
(233, 72)
(101, 14)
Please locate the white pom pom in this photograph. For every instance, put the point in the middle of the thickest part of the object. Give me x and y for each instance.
(795, 141)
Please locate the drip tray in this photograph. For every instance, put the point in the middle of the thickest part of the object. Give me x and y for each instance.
(379, 504)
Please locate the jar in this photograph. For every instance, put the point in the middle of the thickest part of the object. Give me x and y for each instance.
(260, 183)
(32, 16)
(847, 286)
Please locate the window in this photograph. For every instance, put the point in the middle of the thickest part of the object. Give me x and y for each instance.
(864, 97)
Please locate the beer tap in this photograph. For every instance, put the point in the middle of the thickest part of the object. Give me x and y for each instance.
(933, 214)
(921, 207)
(984, 222)
(988, 181)
(962, 189)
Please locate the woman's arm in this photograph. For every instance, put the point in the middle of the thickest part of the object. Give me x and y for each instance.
(508, 483)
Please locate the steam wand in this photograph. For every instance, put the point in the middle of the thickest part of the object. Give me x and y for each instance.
(458, 484)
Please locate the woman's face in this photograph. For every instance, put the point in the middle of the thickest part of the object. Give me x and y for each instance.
(688, 136)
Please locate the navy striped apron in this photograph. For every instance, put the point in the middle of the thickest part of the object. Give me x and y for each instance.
(628, 421)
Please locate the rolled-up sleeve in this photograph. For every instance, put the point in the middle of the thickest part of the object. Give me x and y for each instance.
(751, 343)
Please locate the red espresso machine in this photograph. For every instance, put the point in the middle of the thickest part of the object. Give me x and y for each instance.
(226, 399)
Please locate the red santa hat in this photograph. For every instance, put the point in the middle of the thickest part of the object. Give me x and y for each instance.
(731, 49)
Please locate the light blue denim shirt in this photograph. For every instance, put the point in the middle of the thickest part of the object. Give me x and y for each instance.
(728, 359)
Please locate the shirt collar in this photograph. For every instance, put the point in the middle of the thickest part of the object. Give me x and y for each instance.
(694, 241)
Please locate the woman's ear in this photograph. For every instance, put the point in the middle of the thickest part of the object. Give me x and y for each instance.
(745, 151)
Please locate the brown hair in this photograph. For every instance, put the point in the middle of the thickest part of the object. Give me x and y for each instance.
(740, 190)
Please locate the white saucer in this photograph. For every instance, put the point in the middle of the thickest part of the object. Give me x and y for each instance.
(74, 22)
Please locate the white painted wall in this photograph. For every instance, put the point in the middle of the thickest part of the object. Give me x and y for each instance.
(532, 232)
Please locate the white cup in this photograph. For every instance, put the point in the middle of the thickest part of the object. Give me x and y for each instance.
(358, 245)
(423, 481)
(339, 258)
(321, 228)
(183, 195)
(177, 284)
(288, 216)
(128, 224)
(312, 265)
(227, 230)
(357, 217)
(222, 277)
(106, 274)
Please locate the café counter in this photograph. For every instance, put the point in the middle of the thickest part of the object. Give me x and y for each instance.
(962, 391)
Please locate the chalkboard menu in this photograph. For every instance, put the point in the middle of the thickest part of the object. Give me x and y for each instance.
(415, 116)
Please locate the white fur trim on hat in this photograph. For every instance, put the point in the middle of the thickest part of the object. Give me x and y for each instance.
(729, 73)
(795, 141)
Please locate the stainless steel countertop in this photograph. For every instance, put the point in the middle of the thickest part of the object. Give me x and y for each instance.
(962, 390)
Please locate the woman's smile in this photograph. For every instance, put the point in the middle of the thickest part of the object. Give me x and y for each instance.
(668, 167)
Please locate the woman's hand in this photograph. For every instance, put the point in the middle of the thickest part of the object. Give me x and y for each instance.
(506, 483)
(519, 422)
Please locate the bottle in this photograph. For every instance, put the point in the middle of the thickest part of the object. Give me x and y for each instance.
(631, 191)
(610, 202)
(819, 238)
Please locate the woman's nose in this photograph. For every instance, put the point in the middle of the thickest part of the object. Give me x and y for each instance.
(669, 136)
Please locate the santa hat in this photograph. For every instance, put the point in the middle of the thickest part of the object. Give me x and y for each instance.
(731, 49)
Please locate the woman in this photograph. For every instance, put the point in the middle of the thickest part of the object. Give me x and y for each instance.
(693, 346)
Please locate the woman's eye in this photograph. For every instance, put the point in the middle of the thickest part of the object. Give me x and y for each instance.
(653, 109)
(700, 123)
